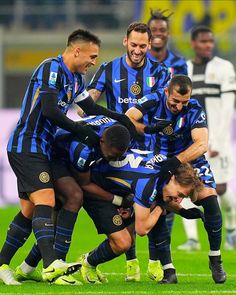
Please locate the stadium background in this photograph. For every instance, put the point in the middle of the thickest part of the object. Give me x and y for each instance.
(31, 31)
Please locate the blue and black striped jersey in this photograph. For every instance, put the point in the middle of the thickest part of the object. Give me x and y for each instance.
(125, 85)
(136, 173)
(176, 64)
(68, 148)
(34, 132)
(176, 138)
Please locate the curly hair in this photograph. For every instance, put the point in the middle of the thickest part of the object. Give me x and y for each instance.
(160, 15)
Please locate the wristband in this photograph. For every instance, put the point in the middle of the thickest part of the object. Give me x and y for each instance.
(117, 200)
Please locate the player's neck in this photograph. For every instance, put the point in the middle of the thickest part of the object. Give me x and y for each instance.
(160, 55)
(68, 62)
(201, 60)
(133, 65)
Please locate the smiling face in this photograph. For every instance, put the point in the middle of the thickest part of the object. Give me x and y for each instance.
(173, 191)
(137, 46)
(85, 56)
(175, 101)
(160, 34)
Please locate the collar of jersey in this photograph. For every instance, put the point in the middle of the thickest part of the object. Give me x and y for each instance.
(130, 68)
(70, 75)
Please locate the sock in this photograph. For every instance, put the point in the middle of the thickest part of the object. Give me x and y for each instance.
(17, 234)
(159, 241)
(213, 221)
(168, 266)
(131, 253)
(101, 254)
(43, 228)
(26, 268)
(34, 256)
(228, 204)
(170, 221)
(64, 229)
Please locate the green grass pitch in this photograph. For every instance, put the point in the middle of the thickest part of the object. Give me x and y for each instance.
(192, 268)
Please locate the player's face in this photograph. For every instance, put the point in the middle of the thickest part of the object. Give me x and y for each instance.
(85, 57)
(203, 45)
(109, 153)
(174, 192)
(137, 46)
(160, 34)
(176, 102)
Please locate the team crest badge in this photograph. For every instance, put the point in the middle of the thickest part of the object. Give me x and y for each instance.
(44, 177)
(168, 130)
(52, 78)
(135, 89)
(117, 220)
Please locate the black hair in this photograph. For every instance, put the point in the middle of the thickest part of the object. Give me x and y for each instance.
(117, 136)
(139, 27)
(83, 35)
(199, 29)
(184, 83)
(159, 15)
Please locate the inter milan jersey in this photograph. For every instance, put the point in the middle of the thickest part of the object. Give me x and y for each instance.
(68, 148)
(176, 64)
(136, 173)
(176, 138)
(125, 85)
(34, 132)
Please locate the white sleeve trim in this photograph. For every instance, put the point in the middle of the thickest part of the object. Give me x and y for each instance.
(81, 96)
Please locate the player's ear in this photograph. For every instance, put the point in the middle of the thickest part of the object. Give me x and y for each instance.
(166, 91)
(125, 41)
(77, 51)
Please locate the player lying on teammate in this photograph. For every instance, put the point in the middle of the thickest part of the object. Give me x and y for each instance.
(138, 174)
(185, 140)
(69, 151)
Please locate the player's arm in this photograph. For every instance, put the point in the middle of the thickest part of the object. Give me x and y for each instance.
(95, 94)
(145, 219)
(97, 192)
(135, 115)
(198, 148)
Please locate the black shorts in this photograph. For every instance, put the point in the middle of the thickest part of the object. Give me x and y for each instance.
(33, 172)
(60, 169)
(105, 216)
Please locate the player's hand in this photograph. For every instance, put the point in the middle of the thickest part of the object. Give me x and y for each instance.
(125, 213)
(192, 213)
(124, 120)
(159, 126)
(90, 138)
(128, 201)
(168, 168)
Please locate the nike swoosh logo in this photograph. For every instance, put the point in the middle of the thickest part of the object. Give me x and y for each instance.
(49, 271)
(216, 231)
(157, 244)
(119, 80)
(67, 242)
(208, 181)
(48, 224)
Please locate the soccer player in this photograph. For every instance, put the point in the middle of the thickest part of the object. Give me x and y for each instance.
(215, 91)
(128, 78)
(159, 26)
(54, 86)
(136, 173)
(185, 140)
(69, 152)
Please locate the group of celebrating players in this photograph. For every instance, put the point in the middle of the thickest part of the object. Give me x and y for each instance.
(129, 165)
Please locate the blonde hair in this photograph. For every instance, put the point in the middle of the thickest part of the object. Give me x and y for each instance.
(185, 175)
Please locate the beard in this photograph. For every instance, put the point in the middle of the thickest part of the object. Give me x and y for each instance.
(134, 62)
(156, 49)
